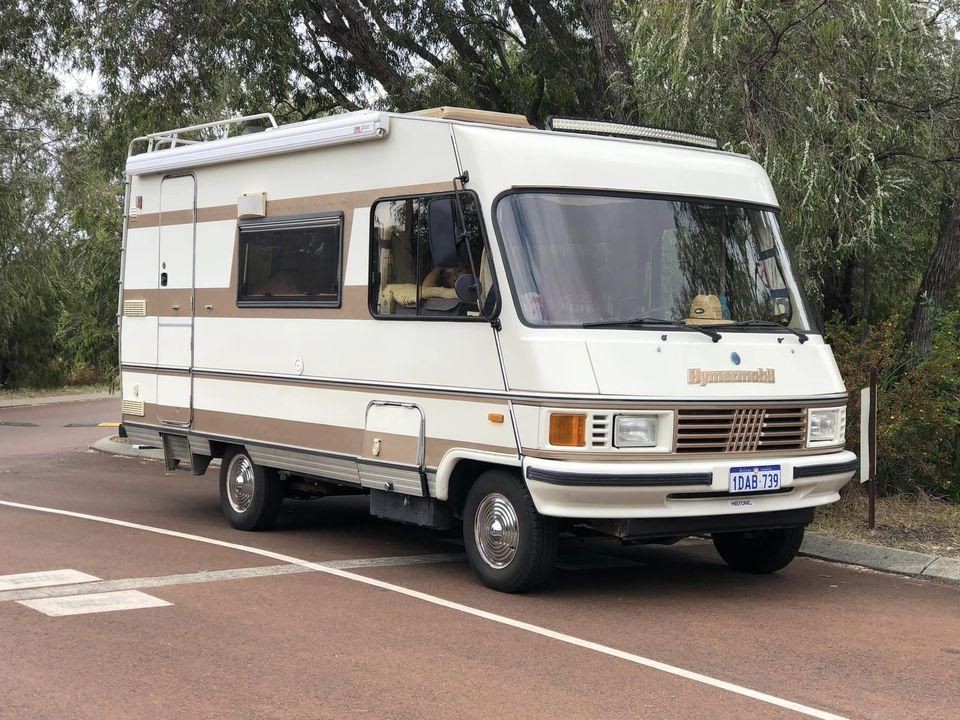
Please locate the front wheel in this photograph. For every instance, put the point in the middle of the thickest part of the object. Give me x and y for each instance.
(759, 551)
(511, 547)
(250, 495)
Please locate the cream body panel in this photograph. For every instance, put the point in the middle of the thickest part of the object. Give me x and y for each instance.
(502, 159)
(528, 424)
(215, 245)
(546, 361)
(173, 345)
(639, 363)
(446, 418)
(173, 390)
(450, 354)
(142, 257)
(138, 339)
(138, 386)
(414, 152)
(148, 189)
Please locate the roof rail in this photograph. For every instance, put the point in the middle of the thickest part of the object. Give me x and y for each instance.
(637, 132)
(171, 138)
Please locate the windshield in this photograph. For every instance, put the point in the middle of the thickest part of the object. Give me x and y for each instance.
(582, 258)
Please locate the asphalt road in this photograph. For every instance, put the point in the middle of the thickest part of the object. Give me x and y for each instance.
(336, 614)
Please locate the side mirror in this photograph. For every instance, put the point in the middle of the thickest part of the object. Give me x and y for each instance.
(444, 243)
(467, 289)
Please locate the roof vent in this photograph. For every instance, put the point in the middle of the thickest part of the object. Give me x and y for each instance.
(638, 132)
(485, 117)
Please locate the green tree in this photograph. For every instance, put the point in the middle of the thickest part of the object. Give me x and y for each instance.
(853, 108)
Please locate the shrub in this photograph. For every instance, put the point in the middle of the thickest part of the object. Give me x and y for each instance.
(918, 409)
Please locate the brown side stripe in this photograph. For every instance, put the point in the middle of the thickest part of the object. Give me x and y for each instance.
(289, 206)
(222, 302)
(309, 436)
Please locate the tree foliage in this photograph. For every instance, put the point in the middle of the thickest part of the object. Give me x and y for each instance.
(56, 238)
(852, 107)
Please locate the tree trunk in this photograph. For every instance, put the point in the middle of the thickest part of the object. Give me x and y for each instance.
(938, 283)
(615, 71)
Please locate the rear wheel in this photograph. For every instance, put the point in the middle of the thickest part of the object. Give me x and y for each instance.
(250, 495)
(511, 547)
(759, 551)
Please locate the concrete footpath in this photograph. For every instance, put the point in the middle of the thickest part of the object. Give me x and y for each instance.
(55, 399)
(114, 446)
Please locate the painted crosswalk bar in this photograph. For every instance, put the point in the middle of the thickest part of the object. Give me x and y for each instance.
(45, 578)
(94, 603)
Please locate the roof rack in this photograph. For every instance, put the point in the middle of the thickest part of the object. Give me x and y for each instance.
(637, 132)
(168, 139)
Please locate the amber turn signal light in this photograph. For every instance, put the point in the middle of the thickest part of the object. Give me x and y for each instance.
(568, 430)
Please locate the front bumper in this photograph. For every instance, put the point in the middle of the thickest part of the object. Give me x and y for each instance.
(680, 488)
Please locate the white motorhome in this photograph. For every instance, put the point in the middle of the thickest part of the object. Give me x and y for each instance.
(473, 320)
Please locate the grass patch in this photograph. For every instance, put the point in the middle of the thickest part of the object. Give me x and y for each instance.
(27, 393)
(911, 522)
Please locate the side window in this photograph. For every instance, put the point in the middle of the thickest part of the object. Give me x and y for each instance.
(291, 260)
(404, 280)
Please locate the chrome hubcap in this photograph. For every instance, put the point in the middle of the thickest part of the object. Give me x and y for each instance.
(496, 530)
(240, 483)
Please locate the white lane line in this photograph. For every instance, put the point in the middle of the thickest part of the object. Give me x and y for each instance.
(44, 578)
(395, 561)
(152, 582)
(206, 576)
(459, 607)
(94, 603)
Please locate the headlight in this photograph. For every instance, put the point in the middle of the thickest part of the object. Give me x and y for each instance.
(826, 426)
(635, 431)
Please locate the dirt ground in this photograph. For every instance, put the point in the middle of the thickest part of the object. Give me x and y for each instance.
(911, 522)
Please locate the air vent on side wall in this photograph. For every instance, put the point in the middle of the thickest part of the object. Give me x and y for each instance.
(134, 308)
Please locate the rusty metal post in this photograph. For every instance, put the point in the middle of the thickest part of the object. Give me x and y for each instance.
(872, 439)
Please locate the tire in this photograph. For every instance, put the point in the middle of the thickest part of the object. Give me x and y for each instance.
(759, 551)
(250, 495)
(507, 560)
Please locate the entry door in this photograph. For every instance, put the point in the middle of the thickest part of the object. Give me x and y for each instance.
(175, 291)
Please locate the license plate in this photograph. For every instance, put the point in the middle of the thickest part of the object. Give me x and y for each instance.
(756, 478)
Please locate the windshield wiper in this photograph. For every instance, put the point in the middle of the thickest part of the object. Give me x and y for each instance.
(653, 322)
(771, 323)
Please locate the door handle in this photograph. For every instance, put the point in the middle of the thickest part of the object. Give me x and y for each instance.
(163, 279)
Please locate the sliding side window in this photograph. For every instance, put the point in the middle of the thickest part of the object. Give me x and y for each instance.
(291, 261)
(404, 280)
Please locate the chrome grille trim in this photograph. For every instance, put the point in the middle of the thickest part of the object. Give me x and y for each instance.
(740, 430)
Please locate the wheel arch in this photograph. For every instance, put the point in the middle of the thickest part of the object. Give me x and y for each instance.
(458, 469)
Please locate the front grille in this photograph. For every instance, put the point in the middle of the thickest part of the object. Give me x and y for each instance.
(740, 430)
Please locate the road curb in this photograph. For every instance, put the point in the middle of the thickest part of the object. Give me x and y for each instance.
(56, 400)
(110, 446)
(885, 559)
